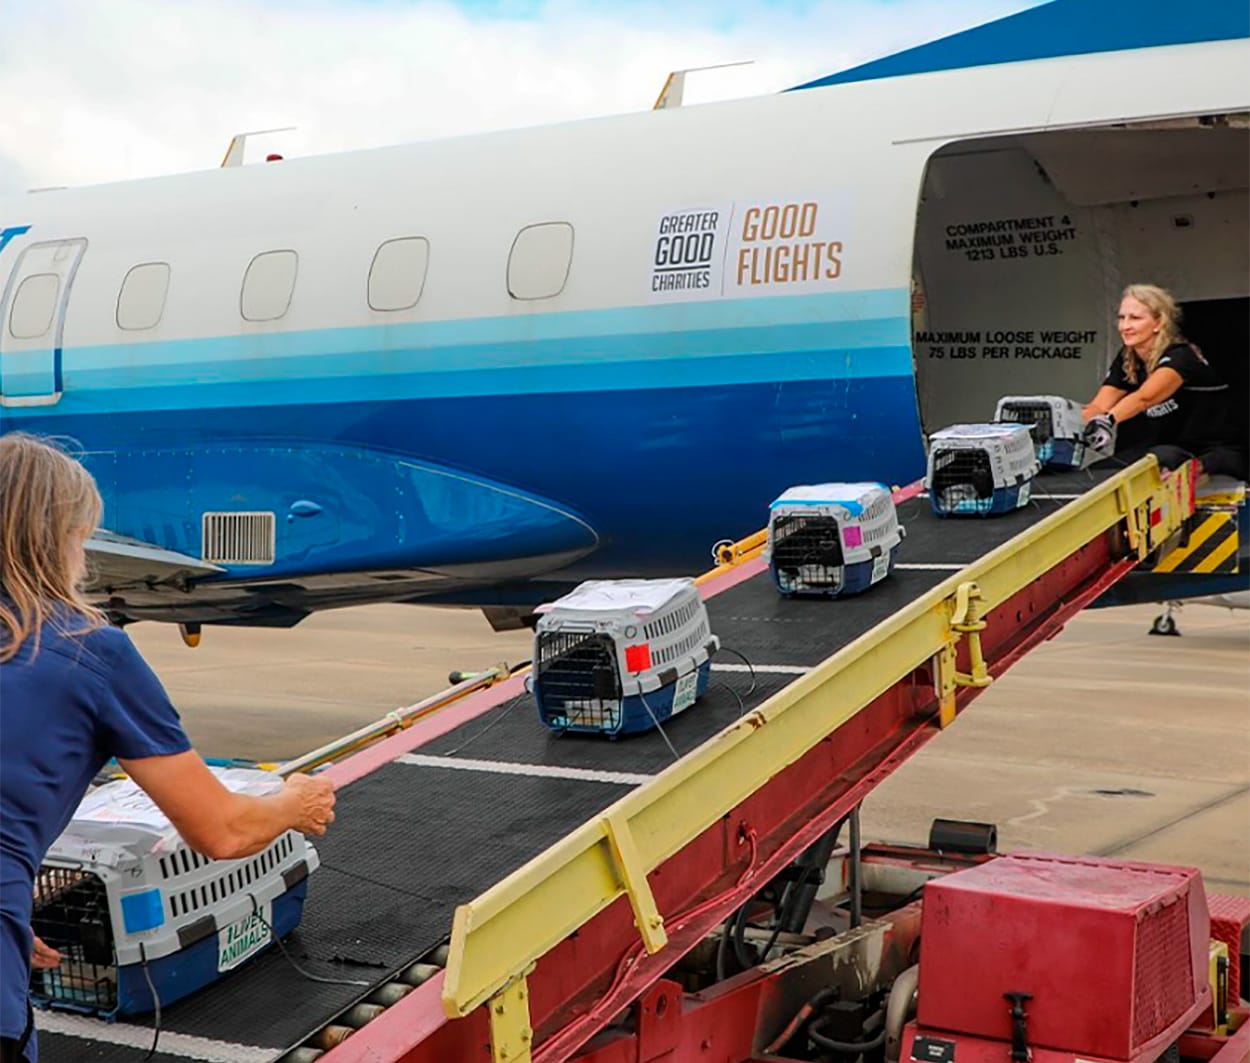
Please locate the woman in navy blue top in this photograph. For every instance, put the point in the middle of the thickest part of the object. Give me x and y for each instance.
(75, 692)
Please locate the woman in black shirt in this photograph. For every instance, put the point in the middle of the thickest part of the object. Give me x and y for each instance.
(1159, 374)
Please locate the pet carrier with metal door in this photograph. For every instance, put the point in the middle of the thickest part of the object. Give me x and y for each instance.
(1057, 425)
(980, 469)
(620, 656)
(132, 909)
(832, 539)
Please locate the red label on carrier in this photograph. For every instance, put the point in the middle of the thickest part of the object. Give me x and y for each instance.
(638, 658)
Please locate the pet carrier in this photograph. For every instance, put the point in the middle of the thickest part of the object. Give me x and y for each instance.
(133, 910)
(1058, 429)
(620, 656)
(832, 539)
(980, 469)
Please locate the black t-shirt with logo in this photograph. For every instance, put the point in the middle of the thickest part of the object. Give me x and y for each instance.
(1196, 417)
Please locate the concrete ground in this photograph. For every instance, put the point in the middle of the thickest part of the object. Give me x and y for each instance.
(1104, 741)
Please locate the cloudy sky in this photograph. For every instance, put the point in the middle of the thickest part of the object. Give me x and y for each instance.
(104, 90)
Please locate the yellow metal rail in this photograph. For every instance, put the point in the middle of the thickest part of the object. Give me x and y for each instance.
(497, 937)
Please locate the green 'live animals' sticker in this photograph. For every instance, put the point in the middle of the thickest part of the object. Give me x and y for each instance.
(238, 941)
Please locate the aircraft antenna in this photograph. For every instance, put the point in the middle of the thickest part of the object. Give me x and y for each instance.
(674, 86)
(234, 153)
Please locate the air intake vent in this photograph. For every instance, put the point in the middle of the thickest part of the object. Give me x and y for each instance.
(239, 538)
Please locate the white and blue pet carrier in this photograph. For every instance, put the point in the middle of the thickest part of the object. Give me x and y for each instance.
(621, 656)
(832, 539)
(980, 469)
(125, 901)
(1058, 429)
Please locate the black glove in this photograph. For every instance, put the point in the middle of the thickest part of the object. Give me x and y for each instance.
(1100, 432)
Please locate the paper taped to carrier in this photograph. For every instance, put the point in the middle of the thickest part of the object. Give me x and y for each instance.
(123, 801)
(641, 596)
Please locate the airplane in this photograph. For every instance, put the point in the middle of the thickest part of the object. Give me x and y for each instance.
(477, 371)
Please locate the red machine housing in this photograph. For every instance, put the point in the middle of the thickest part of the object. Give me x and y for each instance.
(1114, 954)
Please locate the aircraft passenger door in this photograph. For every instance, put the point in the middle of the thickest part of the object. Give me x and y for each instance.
(32, 321)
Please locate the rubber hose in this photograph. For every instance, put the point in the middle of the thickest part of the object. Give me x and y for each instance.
(898, 1010)
(848, 1047)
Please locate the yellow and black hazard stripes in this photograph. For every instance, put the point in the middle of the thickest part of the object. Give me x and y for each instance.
(1210, 546)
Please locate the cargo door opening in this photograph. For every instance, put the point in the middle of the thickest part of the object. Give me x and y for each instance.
(1024, 244)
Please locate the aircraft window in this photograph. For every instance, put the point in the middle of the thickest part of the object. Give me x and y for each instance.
(398, 273)
(141, 301)
(538, 266)
(33, 306)
(268, 284)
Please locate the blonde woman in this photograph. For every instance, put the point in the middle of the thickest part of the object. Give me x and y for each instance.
(75, 692)
(1159, 374)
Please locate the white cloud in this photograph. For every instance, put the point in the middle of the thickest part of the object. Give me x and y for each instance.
(93, 91)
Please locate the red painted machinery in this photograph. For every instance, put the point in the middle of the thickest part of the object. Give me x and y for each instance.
(1055, 958)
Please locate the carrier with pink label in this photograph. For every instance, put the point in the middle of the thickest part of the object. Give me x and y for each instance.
(832, 539)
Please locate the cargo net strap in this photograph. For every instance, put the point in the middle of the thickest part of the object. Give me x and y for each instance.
(807, 553)
(962, 479)
(71, 913)
(577, 681)
(1036, 414)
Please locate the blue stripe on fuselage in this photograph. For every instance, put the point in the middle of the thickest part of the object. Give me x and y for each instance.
(299, 369)
(849, 336)
(660, 474)
(665, 428)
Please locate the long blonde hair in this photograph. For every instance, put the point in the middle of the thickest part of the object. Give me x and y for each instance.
(46, 498)
(1163, 307)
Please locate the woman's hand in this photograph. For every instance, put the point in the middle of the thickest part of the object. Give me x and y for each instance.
(312, 801)
(1100, 432)
(43, 957)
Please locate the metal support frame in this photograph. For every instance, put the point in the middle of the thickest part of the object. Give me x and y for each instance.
(857, 871)
(634, 881)
(704, 836)
(534, 909)
(966, 624)
(511, 1036)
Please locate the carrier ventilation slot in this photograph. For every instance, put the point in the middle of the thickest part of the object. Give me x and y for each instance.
(239, 538)
(230, 883)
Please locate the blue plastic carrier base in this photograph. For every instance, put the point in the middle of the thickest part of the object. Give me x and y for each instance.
(1002, 500)
(632, 714)
(202, 962)
(1062, 454)
(856, 578)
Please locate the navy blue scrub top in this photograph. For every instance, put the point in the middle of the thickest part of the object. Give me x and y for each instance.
(64, 711)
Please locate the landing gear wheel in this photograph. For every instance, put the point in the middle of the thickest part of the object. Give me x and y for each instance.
(1164, 625)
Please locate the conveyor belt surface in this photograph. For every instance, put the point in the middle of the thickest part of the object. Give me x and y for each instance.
(418, 837)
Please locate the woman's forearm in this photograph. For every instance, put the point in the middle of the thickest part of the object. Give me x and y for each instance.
(1128, 407)
(251, 823)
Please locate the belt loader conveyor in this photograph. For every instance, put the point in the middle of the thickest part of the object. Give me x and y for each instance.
(576, 870)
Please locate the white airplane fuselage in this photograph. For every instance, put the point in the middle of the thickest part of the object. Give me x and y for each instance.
(449, 370)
